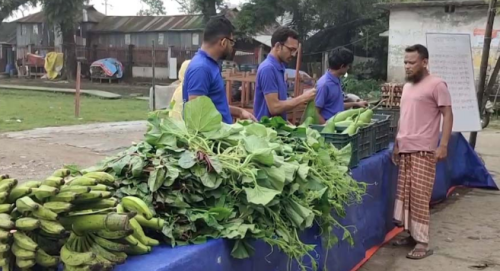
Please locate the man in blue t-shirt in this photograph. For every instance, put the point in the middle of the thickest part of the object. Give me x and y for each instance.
(203, 75)
(330, 97)
(271, 91)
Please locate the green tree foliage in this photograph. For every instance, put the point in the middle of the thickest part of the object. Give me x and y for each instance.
(154, 8)
(206, 7)
(7, 7)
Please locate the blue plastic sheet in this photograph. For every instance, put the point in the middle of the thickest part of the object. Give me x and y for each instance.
(110, 66)
(371, 221)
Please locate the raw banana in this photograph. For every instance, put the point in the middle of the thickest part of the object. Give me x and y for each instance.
(76, 189)
(111, 222)
(25, 264)
(45, 260)
(3, 197)
(65, 197)
(21, 253)
(73, 258)
(140, 249)
(24, 241)
(61, 173)
(138, 232)
(4, 248)
(26, 204)
(52, 227)
(45, 191)
(151, 242)
(6, 208)
(5, 235)
(83, 181)
(11, 182)
(6, 222)
(28, 224)
(130, 239)
(6, 187)
(101, 177)
(154, 223)
(91, 212)
(17, 193)
(101, 204)
(100, 187)
(89, 197)
(109, 245)
(3, 177)
(137, 205)
(114, 235)
(31, 184)
(120, 209)
(54, 181)
(44, 213)
(58, 207)
(5, 264)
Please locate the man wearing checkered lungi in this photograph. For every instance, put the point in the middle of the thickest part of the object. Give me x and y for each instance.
(424, 101)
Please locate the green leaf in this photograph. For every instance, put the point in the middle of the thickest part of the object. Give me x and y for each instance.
(156, 179)
(137, 166)
(201, 115)
(119, 165)
(221, 213)
(216, 164)
(172, 174)
(225, 131)
(256, 129)
(143, 187)
(276, 177)
(260, 195)
(187, 160)
(242, 250)
(260, 149)
(209, 180)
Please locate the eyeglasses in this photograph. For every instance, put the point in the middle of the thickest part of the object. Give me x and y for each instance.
(293, 51)
(233, 42)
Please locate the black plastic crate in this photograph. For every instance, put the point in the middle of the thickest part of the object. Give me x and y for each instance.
(340, 141)
(365, 146)
(382, 134)
(393, 113)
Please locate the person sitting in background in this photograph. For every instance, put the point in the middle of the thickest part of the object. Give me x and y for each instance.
(330, 97)
(176, 112)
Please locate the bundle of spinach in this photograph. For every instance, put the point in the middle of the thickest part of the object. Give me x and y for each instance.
(245, 181)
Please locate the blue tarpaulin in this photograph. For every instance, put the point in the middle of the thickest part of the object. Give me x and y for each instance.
(110, 66)
(371, 221)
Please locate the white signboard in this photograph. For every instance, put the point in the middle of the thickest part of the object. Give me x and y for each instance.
(450, 58)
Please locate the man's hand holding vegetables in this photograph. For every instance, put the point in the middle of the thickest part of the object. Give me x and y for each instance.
(425, 101)
(203, 76)
(271, 90)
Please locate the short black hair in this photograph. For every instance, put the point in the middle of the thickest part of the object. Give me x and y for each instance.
(217, 27)
(282, 34)
(420, 49)
(339, 58)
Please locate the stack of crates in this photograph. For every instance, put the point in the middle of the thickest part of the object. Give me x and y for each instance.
(394, 120)
(382, 134)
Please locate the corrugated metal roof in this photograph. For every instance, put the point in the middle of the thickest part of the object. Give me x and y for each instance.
(8, 33)
(428, 3)
(94, 16)
(130, 24)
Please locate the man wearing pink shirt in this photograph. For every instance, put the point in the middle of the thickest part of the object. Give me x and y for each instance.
(425, 101)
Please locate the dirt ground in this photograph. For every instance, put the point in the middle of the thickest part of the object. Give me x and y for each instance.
(465, 230)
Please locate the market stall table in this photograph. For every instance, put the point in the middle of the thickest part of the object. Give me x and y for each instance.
(371, 222)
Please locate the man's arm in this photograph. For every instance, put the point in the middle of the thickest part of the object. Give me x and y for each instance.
(353, 104)
(236, 112)
(320, 117)
(278, 107)
(447, 113)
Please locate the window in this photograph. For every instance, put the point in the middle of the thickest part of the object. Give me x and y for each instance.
(161, 38)
(196, 39)
(127, 39)
(35, 29)
(24, 30)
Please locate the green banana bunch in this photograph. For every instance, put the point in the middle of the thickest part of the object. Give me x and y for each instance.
(54, 181)
(28, 224)
(61, 173)
(6, 222)
(135, 204)
(101, 177)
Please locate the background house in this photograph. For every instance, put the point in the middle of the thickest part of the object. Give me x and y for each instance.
(34, 30)
(7, 42)
(410, 21)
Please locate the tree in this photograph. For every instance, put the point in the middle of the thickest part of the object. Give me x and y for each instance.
(7, 7)
(155, 7)
(63, 14)
(206, 7)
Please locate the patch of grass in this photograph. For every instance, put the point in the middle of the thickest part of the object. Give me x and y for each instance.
(24, 110)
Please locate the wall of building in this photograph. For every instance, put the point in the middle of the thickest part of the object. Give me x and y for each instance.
(147, 72)
(181, 39)
(408, 27)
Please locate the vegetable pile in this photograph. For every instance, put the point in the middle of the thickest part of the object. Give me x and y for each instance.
(75, 221)
(245, 181)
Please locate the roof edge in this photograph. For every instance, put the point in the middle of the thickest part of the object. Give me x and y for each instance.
(464, 3)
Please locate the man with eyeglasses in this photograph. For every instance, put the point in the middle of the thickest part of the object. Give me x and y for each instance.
(203, 76)
(271, 95)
